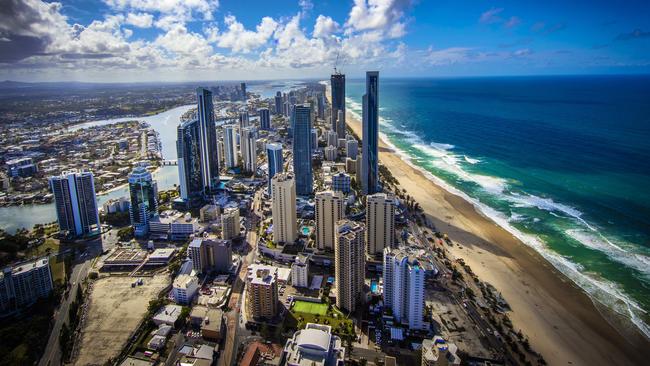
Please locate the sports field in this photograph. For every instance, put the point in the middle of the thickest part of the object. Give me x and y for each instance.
(310, 307)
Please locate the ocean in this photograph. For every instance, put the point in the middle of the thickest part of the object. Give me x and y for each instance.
(561, 162)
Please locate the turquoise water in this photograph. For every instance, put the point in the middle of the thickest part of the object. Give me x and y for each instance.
(561, 162)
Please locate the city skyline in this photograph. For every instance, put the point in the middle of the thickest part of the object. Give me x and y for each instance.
(125, 40)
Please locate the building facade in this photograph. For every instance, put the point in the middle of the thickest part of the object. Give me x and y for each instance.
(370, 139)
(188, 149)
(230, 227)
(337, 83)
(330, 208)
(24, 283)
(143, 192)
(249, 149)
(380, 221)
(208, 140)
(231, 157)
(285, 225)
(76, 203)
(302, 149)
(404, 288)
(275, 161)
(350, 263)
(262, 291)
(300, 271)
(314, 346)
(184, 289)
(341, 182)
(265, 118)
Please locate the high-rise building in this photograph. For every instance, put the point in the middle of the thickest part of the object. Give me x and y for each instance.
(243, 91)
(143, 191)
(380, 221)
(320, 104)
(209, 255)
(285, 226)
(340, 121)
(404, 288)
(278, 103)
(275, 161)
(351, 148)
(341, 183)
(330, 208)
(230, 146)
(23, 284)
(230, 227)
(248, 145)
(314, 139)
(244, 119)
(300, 271)
(265, 118)
(370, 139)
(262, 291)
(337, 83)
(331, 153)
(349, 264)
(302, 149)
(208, 139)
(332, 138)
(76, 203)
(188, 150)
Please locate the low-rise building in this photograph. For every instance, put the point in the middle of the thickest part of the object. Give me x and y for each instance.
(314, 346)
(213, 327)
(184, 288)
(341, 182)
(437, 352)
(167, 315)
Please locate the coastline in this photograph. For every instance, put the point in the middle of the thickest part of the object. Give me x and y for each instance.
(559, 318)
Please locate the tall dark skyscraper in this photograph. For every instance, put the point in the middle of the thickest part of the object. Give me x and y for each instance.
(265, 118)
(278, 103)
(302, 149)
(143, 191)
(188, 149)
(337, 82)
(370, 140)
(76, 203)
(208, 140)
(243, 91)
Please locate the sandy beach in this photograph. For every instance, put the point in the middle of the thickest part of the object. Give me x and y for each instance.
(561, 321)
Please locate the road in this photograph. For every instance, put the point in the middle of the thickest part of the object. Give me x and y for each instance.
(235, 328)
(52, 354)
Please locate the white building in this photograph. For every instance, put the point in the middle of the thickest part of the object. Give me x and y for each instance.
(330, 208)
(332, 138)
(300, 271)
(380, 221)
(248, 149)
(168, 315)
(184, 289)
(76, 203)
(285, 224)
(230, 146)
(314, 346)
(24, 283)
(331, 153)
(404, 288)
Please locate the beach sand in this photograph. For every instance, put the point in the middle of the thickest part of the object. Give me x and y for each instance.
(561, 321)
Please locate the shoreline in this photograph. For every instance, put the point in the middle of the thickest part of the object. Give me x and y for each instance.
(561, 321)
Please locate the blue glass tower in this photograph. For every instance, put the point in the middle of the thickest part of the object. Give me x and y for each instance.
(208, 140)
(276, 164)
(370, 155)
(302, 149)
(265, 118)
(188, 150)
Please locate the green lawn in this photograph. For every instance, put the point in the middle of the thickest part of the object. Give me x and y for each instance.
(310, 307)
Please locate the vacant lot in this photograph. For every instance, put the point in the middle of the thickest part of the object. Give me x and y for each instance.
(115, 310)
(310, 307)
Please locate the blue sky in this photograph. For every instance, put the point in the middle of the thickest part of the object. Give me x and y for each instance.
(176, 40)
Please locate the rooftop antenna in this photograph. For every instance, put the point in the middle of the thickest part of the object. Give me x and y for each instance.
(337, 61)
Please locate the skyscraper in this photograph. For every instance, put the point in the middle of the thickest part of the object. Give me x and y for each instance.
(274, 157)
(380, 221)
(230, 146)
(208, 139)
(188, 149)
(76, 203)
(230, 227)
(349, 264)
(242, 87)
(370, 139)
(330, 208)
(404, 288)
(302, 149)
(351, 147)
(285, 226)
(143, 191)
(278, 103)
(244, 119)
(337, 82)
(249, 149)
(265, 118)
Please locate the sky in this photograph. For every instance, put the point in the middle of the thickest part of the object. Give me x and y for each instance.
(193, 40)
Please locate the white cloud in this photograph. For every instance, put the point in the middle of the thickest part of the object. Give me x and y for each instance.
(447, 56)
(175, 7)
(140, 20)
(512, 22)
(325, 26)
(491, 16)
(239, 39)
(376, 14)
